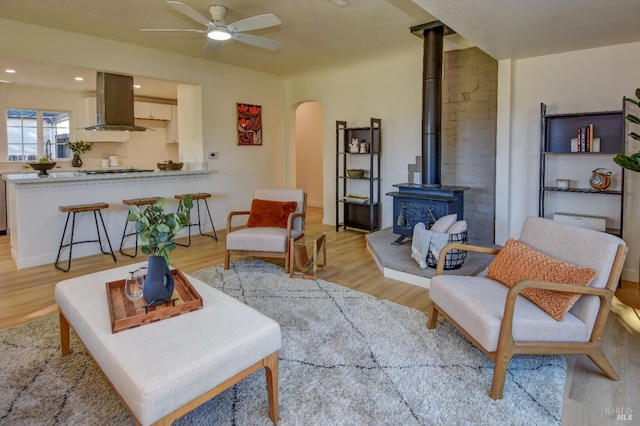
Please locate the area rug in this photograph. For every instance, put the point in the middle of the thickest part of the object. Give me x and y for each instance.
(347, 358)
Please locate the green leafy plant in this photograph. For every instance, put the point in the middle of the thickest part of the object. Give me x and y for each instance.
(79, 147)
(631, 162)
(157, 229)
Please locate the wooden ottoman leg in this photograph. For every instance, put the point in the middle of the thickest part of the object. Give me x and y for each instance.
(271, 370)
(64, 335)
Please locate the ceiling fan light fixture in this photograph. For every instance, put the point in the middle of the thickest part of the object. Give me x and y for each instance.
(218, 35)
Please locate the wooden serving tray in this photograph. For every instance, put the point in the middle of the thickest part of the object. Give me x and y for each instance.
(126, 314)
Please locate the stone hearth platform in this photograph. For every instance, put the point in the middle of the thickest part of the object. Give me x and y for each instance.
(395, 262)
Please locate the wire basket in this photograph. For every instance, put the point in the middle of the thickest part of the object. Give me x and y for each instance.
(454, 258)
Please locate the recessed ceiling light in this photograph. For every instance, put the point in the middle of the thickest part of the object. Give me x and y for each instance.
(4, 81)
(136, 86)
(79, 79)
(10, 71)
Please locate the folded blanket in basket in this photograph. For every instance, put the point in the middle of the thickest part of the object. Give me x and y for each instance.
(425, 240)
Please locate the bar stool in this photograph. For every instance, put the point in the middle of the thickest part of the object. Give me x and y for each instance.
(134, 202)
(197, 198)
(81, 208)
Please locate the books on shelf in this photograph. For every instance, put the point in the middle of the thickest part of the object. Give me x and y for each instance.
(585, 142)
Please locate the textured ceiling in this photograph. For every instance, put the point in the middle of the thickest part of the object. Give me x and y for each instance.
(313, 33)
(520, 29)
(319, 33)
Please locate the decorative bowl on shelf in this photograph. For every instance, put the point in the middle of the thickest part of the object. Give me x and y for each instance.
(42, 168)
(355, 173)
(356, 199)
(170, 165)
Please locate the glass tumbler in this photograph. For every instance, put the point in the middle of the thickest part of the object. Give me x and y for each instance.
(133, 286)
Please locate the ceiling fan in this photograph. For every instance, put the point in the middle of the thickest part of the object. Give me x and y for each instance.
(218, 31)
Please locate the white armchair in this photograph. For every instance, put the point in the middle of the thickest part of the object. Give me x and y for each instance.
(502, 322)
(276, 217)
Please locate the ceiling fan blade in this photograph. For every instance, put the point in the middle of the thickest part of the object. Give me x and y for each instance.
(173, 30)
(190, 12)
(255, 23)
(262, 42)
(212, 46)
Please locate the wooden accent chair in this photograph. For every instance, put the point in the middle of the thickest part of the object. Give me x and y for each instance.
(273, 222)
(501, 322)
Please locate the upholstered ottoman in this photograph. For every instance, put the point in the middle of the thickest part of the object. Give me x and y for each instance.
(165, 369)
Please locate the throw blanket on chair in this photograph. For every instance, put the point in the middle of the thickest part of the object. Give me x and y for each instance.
(425, 240)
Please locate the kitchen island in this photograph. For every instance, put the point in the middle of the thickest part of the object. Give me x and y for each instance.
(36, 224)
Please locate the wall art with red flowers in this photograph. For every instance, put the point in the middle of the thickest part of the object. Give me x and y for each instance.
(249, 124)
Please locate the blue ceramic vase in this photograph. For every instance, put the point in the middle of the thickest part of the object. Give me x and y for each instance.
(158, 286)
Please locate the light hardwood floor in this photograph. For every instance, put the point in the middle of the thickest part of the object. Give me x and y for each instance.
(589, 397)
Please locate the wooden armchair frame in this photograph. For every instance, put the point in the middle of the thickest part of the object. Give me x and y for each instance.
(508, 347)
(275, 254)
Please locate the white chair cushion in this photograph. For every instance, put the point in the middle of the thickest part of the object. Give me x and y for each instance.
(579, 246)
(259, 239)
(477, 305)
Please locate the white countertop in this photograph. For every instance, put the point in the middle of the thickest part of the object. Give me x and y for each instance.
(58, 177)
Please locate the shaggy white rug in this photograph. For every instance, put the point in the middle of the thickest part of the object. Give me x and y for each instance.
(347, 359)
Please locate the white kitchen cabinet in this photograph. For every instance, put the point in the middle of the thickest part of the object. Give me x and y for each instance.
(171, 131)
(151, 111)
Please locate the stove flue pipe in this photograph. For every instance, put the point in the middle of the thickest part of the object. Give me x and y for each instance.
(432, 105)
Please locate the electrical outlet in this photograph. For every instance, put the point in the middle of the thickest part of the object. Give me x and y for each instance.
(213, 155)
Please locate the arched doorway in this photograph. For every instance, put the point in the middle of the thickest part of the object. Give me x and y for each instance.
(308, 141)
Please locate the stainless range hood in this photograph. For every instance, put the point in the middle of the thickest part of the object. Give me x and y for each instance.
(114, 102)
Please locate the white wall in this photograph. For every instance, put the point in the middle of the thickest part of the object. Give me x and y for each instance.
(388, 88)
(581, 81)
(189, 111)
(239, 169)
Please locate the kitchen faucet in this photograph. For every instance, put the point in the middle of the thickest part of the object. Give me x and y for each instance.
(48, 149)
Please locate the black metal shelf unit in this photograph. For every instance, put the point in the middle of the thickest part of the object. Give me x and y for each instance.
(358, 198)
(556, 132)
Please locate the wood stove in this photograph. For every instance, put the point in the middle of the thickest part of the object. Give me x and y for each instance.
(414, 203)
(428, 200)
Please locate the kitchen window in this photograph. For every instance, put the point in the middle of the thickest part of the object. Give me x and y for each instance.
(33, 134)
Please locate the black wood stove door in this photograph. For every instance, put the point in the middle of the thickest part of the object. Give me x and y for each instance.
(407, 211)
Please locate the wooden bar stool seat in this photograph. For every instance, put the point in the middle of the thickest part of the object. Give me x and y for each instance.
(72, 211)
(197, 197)
(140, 201)
(134, 202)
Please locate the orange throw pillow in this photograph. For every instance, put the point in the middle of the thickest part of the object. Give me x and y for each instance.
(271, 214)
(517, 262)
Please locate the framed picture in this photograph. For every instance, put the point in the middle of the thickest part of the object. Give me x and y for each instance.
(249, 124)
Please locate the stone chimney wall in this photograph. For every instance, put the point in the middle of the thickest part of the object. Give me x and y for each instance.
(469, 110)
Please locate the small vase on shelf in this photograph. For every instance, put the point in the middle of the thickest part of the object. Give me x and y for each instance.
(76, 161)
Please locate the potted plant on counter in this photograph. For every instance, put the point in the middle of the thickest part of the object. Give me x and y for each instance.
(78, 147)
(157, 231)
